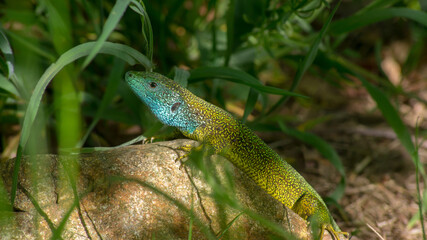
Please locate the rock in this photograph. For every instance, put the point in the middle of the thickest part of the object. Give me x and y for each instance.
(141, 192)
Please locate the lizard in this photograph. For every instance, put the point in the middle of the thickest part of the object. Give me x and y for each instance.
(202, 121)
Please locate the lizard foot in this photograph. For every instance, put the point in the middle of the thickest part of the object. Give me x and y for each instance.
(148, 140)
(331, 230)
(190, 149)
(187, 149)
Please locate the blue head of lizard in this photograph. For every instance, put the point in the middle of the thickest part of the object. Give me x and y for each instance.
(164, 97)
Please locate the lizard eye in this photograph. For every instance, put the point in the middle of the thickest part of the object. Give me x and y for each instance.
(153, 84)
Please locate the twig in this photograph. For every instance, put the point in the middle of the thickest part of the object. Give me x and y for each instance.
(369, 226)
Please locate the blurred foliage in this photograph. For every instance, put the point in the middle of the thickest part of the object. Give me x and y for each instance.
(265, 46)
(257, 37)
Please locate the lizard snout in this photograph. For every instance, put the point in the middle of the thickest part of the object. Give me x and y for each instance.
(129, 74)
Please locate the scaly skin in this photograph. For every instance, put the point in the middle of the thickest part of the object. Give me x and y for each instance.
(199, 120)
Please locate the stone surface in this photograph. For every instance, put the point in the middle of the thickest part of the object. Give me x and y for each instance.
(141, 192)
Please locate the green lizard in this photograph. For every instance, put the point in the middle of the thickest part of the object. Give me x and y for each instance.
(199, 120)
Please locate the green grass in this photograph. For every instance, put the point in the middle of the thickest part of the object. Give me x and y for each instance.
(62, 62)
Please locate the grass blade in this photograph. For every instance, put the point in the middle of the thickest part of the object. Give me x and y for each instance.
(393, 119)
(139, 7)
(6, 49)
(421, 203)
(38, 208)
(8, 86)
(236, 76)
(56, 234)
(112, 21)
(376, 15)
(377, 4)
(7, 52)
(181, 77)
(229, 225)
(250, 103)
